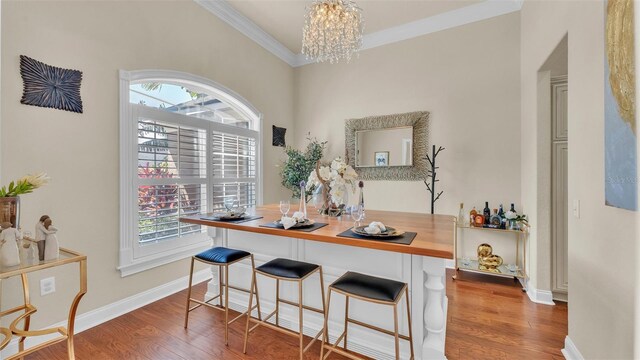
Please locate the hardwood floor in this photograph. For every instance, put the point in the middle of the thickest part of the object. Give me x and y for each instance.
(488, 318)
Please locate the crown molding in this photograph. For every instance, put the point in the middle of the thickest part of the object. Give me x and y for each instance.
(450, 19)
(233, 17)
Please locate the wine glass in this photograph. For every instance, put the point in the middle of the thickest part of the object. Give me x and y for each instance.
(230, 203)
(285, 205)
(357, 213)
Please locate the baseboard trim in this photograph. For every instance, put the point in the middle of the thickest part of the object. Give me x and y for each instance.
(570, 351)
(103, 314)
(544, 297)
(372, 345)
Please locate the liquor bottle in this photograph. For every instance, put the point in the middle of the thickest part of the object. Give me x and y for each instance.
(495, 218)
(486, 212)
(503, 220)
(361, 201)
(472, 216)
(461, 217)
(303, 200)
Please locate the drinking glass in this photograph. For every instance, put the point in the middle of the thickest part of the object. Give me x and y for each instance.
(357, 213)
(285, 205)
(230, 203)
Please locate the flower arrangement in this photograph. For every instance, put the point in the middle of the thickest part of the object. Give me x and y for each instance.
(335, 180)
(24, 185)
(514, 218)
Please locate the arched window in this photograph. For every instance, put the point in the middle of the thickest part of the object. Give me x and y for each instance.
(187, 144)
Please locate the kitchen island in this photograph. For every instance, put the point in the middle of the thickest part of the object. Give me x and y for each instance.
(420, 264)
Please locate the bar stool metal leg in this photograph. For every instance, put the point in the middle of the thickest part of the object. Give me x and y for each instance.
(277, 302)
(325, 335)
(346, 321)
(300, 314)
(226, 306)
(395, 330)
(406, 294)
(253, 266)
(246, 329)
(324, 304)
(186, 313)
(220, 287)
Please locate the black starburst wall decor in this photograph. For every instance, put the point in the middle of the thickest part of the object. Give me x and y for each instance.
(50, 86)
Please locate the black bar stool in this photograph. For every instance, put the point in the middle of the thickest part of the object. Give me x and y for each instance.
(222, 257)
(371, 289)
(286, 270)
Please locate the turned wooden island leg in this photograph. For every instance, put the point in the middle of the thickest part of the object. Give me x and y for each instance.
(429, 306)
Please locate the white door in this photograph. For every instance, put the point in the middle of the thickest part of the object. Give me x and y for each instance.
(559, 197)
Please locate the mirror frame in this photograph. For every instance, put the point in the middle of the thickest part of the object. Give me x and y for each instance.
(419, 120)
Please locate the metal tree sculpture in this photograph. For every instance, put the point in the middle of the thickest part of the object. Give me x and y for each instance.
(431, 179)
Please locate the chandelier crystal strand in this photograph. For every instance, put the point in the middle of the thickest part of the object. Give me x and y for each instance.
(332, 30)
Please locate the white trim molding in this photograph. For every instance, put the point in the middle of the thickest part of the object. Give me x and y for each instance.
(544, 297)
(228, 14)
(449, 263)
(133, 256)
(570, 351)
(101, 315)
(466, 15)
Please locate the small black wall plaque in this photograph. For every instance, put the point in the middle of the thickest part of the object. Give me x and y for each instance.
(278, 136)
(50, 86)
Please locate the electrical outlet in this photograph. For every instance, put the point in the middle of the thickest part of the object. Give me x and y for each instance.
(47, 286)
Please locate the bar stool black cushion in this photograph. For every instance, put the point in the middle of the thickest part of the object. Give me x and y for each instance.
(287, 268)
(222, 255)
(369, 287)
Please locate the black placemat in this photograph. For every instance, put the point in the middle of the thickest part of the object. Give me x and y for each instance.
(235, 221)
(404, 239)
(314, 227)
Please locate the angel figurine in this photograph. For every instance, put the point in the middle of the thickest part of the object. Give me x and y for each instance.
(51, 249)
(9, 252)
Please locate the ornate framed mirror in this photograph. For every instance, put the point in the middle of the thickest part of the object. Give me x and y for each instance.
(389, 147)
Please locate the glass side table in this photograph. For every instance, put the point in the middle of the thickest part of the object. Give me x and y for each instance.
(29, 264)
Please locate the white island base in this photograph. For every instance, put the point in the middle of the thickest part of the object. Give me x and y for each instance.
(425, 276)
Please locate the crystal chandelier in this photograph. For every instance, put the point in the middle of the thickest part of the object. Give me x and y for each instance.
(332, 30)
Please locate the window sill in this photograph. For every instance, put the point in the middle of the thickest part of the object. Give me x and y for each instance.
(129, 267)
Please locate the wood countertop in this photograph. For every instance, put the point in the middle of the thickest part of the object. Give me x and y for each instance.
(435, 232)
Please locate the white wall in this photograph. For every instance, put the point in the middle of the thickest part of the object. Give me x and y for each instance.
(602, 242)
(468, 78)
(80, 151)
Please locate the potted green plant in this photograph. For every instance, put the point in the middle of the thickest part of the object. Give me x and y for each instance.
(10, 196)
(299, 164)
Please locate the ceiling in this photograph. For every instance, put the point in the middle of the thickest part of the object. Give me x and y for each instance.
(284, 19)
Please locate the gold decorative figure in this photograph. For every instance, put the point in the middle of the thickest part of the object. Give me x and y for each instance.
(487, 260)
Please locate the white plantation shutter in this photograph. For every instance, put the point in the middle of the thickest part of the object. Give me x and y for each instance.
(234, 168)
(178, 176)
(171, 178)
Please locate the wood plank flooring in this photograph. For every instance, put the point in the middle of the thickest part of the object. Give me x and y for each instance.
(488, 318)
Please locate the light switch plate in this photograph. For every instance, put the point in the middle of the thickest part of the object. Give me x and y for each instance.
(576, 208)
(47, 286)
